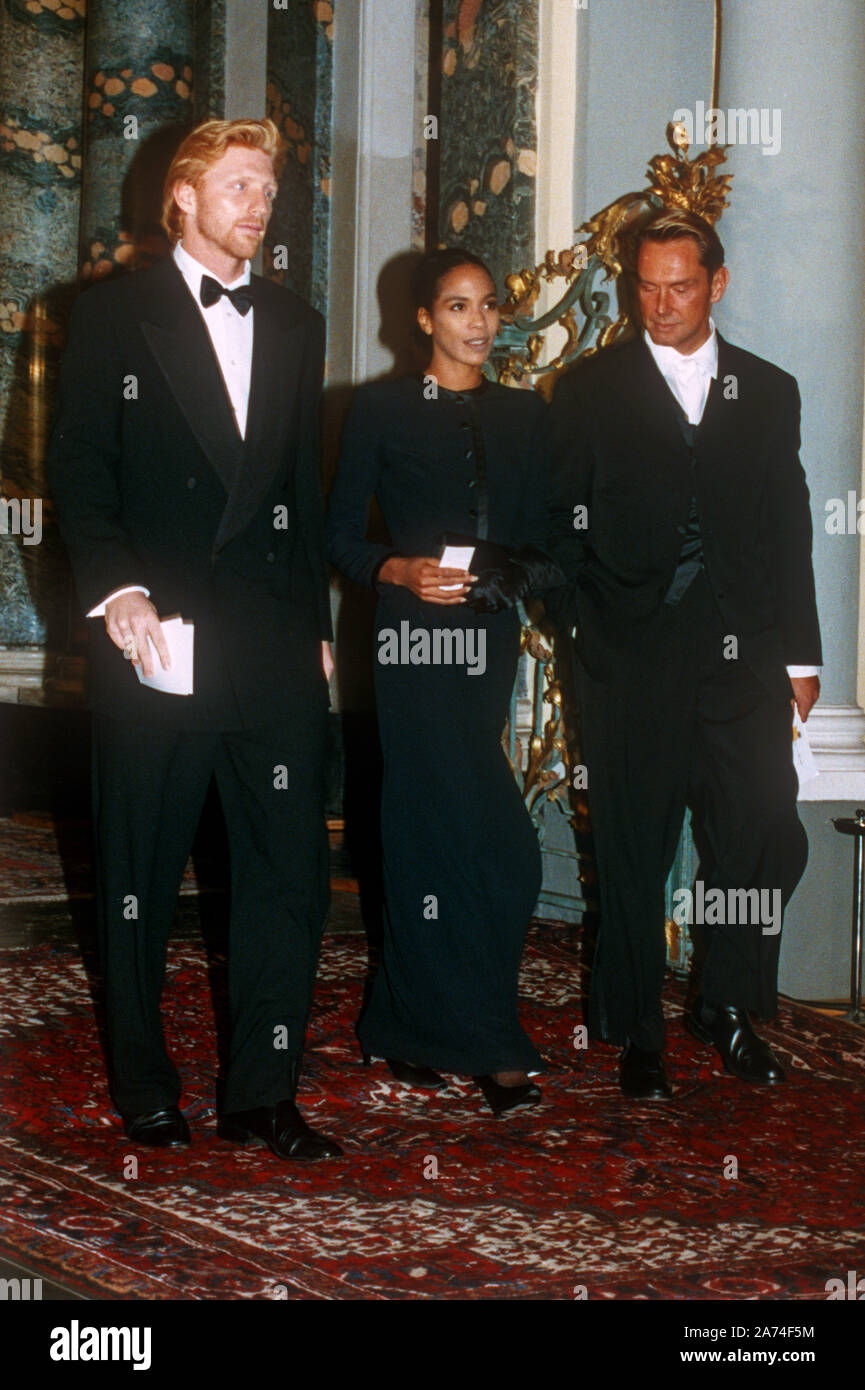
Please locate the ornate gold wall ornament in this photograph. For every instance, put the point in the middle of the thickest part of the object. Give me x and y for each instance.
(675, 180)
(690, 183)
(545, 768)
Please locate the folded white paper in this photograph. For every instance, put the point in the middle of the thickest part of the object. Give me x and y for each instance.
(803, 758)
(456, 557)
(179, 638)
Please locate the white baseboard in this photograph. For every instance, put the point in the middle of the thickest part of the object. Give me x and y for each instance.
(837, 737)
(34, 676)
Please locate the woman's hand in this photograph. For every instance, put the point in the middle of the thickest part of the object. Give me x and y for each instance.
(426, 578)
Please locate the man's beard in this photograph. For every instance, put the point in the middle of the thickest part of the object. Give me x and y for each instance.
(231, 242)
(242, 244)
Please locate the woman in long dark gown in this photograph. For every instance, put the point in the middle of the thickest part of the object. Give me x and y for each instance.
(448, 453)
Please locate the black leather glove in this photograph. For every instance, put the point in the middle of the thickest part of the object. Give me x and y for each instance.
(526, 572)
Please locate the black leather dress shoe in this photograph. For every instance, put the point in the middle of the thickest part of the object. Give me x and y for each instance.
(410, 1074)
(164, 1129)
(642, 1075)
(282, 1128)
(501, 1099)
(742, 1052)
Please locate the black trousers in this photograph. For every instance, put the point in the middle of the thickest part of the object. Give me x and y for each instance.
(149, 789)
(679, 723)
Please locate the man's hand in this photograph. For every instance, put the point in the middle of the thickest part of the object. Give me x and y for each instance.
(129, 621)
(426, 578)
(806, 692)
(327, 660)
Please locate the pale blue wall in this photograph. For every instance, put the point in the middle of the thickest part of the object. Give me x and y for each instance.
(637, 63)
(794, 240)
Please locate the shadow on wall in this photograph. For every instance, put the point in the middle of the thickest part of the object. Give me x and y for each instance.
(355, 622)
(136, 242)
(399, 334)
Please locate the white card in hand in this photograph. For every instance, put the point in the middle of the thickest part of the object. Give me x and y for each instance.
(803, 758)
(456, 557)
(179, 638)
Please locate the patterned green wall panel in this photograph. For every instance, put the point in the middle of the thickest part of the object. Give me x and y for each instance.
(488, 130)
(300, 101)
(41, 57)
(209, 42)
(138, 100)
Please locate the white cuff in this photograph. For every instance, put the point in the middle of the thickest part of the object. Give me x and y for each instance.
(99, 610)
(804, 670)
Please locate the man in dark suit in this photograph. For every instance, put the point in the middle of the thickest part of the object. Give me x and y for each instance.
(682, 522)
(184, 467)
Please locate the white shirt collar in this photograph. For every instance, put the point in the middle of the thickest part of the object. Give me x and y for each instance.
(192, 271)
(670, 360)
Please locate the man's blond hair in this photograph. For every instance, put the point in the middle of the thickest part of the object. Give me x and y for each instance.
(202, 147)
(671, 224)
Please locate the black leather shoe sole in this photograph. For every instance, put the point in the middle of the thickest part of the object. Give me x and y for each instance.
(502, 1099)
(641, 1089)
(642, 1076)
(698, 1029)
(160, 1129)
(305, 1144)
(424, 1078)
(236, 1134)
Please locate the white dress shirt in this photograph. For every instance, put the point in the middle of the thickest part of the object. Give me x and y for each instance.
(689, 377)
(231, 334)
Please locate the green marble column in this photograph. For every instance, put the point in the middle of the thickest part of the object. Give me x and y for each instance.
(300, 101)
(41, 58)
(488, 130)
(209, 94)
(138, 102)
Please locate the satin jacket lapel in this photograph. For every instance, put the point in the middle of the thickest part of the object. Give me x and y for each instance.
(177, 337)
(273, 386)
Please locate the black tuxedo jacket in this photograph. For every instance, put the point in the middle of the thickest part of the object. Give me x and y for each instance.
(619, 452)
(153, 485)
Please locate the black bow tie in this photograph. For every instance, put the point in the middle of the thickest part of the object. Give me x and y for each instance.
(212, 292)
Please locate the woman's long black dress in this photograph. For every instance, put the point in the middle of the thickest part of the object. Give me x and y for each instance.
(462, 865)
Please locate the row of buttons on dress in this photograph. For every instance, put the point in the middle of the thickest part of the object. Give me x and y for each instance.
(469, 453)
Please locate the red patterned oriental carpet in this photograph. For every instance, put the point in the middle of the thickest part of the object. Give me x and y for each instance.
(434, 1199)
(43, 860)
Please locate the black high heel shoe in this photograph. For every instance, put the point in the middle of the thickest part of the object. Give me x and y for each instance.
(423, 1077)
(501, 1099)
